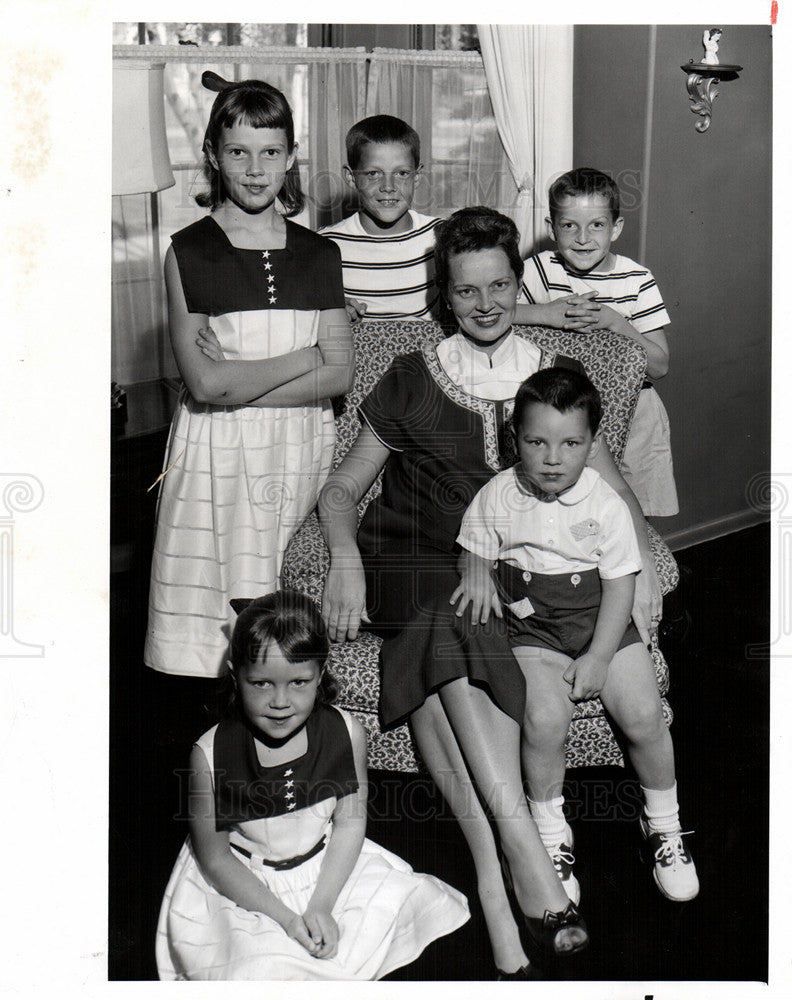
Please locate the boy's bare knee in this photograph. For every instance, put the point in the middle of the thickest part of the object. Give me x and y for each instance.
(645, 722)
(546, 724)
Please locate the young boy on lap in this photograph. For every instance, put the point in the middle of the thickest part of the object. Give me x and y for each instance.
(565, 556)
(387, 249)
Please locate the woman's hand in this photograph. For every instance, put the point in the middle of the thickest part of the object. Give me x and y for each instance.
(344, 598)
(647, 607)
(297, 929)
(323, 930)
(476, 588)
(209, 344)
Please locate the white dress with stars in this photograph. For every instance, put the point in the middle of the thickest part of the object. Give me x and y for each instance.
(241, 478)
(386, 913)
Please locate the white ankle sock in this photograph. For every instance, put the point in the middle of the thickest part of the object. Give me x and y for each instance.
(661, 809)
(549, 819)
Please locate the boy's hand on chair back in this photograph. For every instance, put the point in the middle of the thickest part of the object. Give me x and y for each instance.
(355, 310)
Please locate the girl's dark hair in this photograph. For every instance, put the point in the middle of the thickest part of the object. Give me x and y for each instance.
(562, 388)
(259, 105)
(471, 229)
(292, 620)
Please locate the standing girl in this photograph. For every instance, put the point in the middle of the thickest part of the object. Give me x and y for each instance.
(277, 880)
(252, 439)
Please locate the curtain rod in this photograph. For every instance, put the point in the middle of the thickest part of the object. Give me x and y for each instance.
(432, 57)
(238, 53)
(293, 54)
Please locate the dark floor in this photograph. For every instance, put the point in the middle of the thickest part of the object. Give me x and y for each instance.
(720, 695)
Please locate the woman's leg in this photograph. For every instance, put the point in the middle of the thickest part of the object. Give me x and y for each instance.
(489, 742)
(470, 746)
(440, 752)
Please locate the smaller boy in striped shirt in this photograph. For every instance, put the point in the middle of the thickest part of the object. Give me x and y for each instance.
(387, 249)
(582, 285)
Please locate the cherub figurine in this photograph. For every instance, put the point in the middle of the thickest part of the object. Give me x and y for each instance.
(710, 40)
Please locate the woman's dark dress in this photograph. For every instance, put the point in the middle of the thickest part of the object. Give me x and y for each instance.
(445, 444)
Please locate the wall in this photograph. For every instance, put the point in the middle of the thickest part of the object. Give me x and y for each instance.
(698, 214)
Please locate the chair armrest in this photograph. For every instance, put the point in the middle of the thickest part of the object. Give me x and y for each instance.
(306, 560)
(665, 564)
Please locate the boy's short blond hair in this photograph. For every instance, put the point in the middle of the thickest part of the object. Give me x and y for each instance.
(381, 128)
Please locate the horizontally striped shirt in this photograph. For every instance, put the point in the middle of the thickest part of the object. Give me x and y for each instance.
(393, 275)
(629, 288)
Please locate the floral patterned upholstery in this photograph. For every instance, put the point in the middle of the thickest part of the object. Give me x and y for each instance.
(617, 369)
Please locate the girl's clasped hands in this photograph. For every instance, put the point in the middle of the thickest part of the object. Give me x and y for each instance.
(316, 931)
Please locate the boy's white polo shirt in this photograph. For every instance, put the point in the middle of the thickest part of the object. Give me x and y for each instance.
(589, 527)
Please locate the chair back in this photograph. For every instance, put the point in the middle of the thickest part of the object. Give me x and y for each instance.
(615, 364)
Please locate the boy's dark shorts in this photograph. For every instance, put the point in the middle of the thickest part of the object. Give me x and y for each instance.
(565, 609)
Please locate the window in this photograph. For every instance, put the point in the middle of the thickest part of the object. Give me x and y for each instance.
(204, 34)
(459, 37)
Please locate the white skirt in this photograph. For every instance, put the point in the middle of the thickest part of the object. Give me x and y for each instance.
(386, 914)
(242, 480)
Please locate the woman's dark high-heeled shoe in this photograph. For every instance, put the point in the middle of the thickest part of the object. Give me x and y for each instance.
(545, 930)
(527, 972)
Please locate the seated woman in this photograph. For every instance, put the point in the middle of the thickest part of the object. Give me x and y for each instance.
(435, 422)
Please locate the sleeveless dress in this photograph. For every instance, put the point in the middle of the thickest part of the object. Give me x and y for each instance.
(386, 913)
(243, 477)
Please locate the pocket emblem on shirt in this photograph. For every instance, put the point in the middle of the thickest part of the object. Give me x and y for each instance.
(585, 528)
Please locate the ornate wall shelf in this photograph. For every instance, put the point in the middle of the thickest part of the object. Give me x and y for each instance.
(701, 80)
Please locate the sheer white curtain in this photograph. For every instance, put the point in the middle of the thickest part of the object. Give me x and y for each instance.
(326, 89)
(444, 96)
(529, 75)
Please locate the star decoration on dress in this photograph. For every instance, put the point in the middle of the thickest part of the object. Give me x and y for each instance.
(290, 784)
(271, 289)
(289, 795)
(287, 773)
(291, 805)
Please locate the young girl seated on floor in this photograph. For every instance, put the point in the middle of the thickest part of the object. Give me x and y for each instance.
(277, 880)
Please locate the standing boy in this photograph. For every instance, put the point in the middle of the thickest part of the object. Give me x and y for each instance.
(583, 285)
(387, 249)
